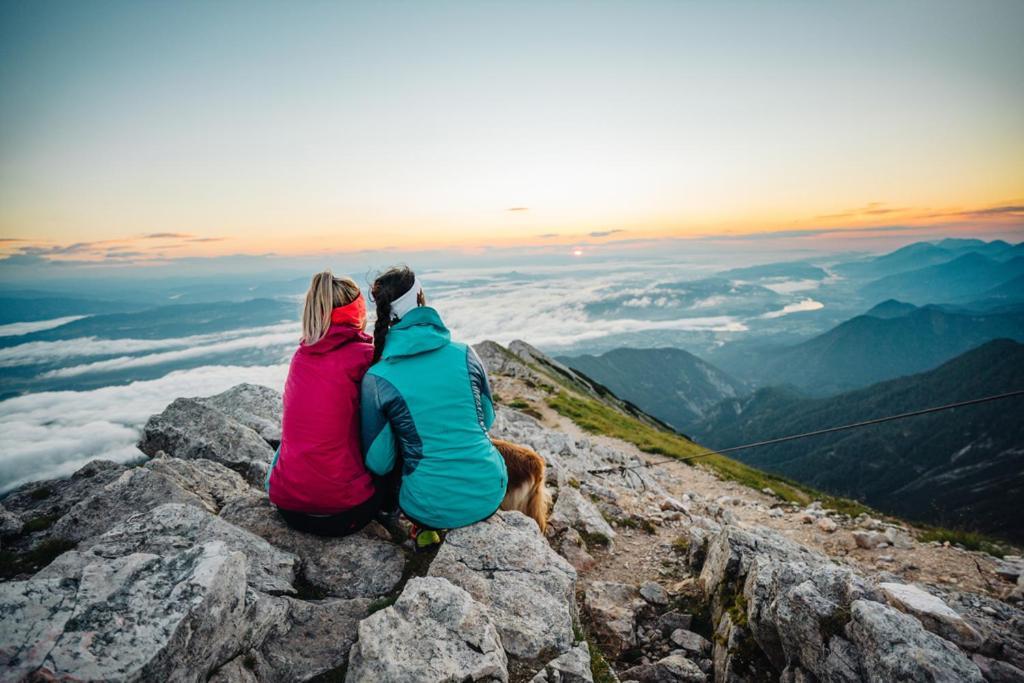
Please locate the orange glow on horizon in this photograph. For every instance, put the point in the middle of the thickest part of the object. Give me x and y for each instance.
(1007, 215)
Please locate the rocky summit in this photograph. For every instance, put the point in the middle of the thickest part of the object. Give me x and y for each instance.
(178, 569)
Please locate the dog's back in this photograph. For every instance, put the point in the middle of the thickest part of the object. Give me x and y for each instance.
(526, 491)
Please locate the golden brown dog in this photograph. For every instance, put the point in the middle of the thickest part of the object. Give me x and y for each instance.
(526, 490)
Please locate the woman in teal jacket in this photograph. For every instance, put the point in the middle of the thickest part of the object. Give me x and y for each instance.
(426, 407)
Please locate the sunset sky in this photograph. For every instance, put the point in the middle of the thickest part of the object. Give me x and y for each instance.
(133, 131)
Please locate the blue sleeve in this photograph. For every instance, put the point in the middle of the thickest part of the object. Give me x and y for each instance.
(378, 439)
(481, 389)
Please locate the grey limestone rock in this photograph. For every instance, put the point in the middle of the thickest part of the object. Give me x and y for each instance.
(257, 407)
(356, 566)
(571, 667)
(175, 526)
(189, 428)
(671, 669)
(506, 565)
(435, 631)
(612, 610)
(140, 617)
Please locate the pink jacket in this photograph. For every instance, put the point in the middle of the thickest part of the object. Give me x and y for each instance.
(319, 467)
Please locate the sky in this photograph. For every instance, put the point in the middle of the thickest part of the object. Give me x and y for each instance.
(148, 132)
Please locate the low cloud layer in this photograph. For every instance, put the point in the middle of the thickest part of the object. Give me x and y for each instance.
(803, 305)
(52, 434)
(262, 341)
(18, 329)
(46, 352)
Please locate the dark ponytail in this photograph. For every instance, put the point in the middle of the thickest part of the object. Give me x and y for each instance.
(389, 285)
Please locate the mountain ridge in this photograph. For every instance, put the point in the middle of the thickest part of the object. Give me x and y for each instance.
(178, 568)
(686, 384)
(932, 469)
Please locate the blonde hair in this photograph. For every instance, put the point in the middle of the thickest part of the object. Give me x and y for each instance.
(326, 293)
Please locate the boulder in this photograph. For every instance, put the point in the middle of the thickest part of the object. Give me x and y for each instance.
(10, 523)
(995, 671)
(356, 566)
(612, 610)
(435, 631)
(731, 552)
(573, 548)
(794, 610)
(257, 407)
(671, 669)
(571, 667)
(572, 510)
(869, 539)
(898, 538)
(654, 593)
(136, 490)
(672, 620)
(174, 525)
(695, 644)
(215, 484)
(1010, 567)
(892, 646)
(310, 639)
(505, 564)
(1017, 594)
(934, 614)
(827, 524)
(140, 617)
(52, 499)
(190, 429)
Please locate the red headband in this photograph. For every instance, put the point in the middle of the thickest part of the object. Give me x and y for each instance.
(352, 313)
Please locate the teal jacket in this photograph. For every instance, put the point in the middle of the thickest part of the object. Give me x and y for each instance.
(428, 404)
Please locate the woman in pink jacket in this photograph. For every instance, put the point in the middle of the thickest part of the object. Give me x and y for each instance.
(317, 480)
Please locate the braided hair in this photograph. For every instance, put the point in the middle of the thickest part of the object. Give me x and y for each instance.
(389, 285)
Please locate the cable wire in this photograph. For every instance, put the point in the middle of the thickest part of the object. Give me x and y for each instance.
(817, 432)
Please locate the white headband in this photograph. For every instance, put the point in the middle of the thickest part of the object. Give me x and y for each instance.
(406, 302)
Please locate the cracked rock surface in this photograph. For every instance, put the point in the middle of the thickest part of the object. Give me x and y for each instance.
(434, 631)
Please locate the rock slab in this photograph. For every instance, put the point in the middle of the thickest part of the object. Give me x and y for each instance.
(141, 617)
(506, 565)
(435, 631)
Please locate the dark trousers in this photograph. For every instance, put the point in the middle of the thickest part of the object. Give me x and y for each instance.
(339, 524)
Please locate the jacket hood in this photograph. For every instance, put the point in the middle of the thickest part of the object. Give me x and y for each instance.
(336, 337)
(419, 331)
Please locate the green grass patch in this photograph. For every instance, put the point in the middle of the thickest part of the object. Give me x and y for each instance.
(41, 493)
(681, 545)
(631, 522)
(971, 540)
(598, 418)
(14, 563)
(519, 404)
(41, 523)
(594, 539)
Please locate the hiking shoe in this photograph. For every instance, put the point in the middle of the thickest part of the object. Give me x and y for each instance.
(425, 539)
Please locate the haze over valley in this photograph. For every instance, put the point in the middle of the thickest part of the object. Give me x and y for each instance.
(704, 340)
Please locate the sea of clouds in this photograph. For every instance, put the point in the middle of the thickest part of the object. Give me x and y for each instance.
(52, 433)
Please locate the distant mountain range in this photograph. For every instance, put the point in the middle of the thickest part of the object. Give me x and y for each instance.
(671, 384)
(959, 468)
(890, 340)
(964, 278)
(923, 254)
(42, 306)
